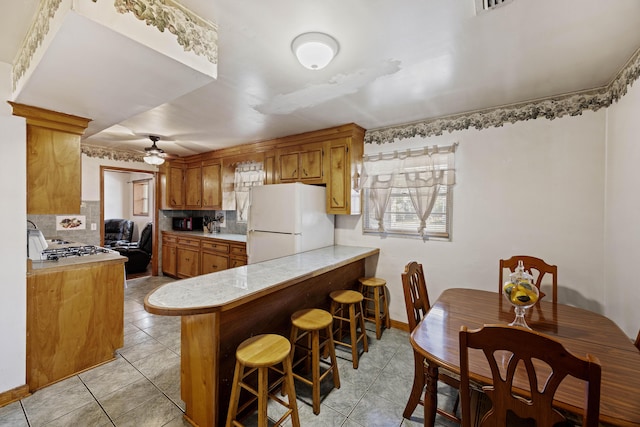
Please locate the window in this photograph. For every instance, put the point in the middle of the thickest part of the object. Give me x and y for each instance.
(141, 197)
(409, 193)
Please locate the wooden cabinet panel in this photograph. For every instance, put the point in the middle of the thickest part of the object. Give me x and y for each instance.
(189, 256)
(215, 246)
(337, 201)
(169, 258)
(188, 262)
(212, 262)
(74, 320)
(211, 186)
(53, 160)
(311, 163)
(193, 186)
(302, 163)
(175, 182)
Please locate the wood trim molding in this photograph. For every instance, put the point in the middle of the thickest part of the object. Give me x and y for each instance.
(400, 325)
(15, 394)
(41, 117)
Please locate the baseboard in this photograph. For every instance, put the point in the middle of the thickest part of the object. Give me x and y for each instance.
(13, 395)
(400, 325)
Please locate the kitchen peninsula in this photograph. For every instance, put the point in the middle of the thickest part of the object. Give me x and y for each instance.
(220, 310)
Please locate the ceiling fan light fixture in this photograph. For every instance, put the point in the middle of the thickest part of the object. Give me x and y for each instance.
(314, 50)
(154, 155)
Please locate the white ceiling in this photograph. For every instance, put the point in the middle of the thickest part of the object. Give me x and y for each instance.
(398, 62)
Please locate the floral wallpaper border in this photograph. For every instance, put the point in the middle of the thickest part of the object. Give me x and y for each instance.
(192, 32)
(35, 35)
(107, 153)
(549, 108)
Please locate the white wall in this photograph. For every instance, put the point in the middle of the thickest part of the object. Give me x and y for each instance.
(534, 187)
(13, 245)
(117, 192)
(91, 173)
(622, 222)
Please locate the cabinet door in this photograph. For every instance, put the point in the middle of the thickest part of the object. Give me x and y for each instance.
(53, 171)
(338, 184)
(169, 259)
(212, 262)
(237, 262)
(289, 167)
(311, 163)
(188, 262)
(193, 186)
(175, 196)
(211, 186)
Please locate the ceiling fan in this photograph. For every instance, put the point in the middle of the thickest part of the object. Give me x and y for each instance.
(154, 155)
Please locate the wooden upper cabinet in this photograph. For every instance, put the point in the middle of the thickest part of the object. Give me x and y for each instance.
(302, 163)
(344, 158)
(211, 185)
(175, 184)
(193, 186)
(53, 160)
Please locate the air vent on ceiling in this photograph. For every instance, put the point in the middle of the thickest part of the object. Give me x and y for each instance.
(487, 5)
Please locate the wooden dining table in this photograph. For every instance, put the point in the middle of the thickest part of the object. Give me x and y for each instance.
(436, 341)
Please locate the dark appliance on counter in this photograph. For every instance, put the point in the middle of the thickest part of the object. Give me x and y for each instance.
(187, 223)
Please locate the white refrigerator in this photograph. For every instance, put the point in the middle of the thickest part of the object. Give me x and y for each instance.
(285, 219)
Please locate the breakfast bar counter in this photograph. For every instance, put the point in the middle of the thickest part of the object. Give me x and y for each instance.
(220, 310)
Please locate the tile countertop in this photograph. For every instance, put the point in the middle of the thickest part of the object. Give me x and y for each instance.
(72, 262)
(220, 236)
(229, 288)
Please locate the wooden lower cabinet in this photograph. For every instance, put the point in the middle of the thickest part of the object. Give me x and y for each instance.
(75, 319)
(188, 257)
(237, 255)
(169, 254)
(184, 257)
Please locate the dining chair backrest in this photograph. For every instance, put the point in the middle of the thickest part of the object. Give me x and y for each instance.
(416, 298)
(534, 266)
(514, 350)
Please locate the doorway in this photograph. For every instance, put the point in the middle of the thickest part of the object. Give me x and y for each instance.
(130, 194)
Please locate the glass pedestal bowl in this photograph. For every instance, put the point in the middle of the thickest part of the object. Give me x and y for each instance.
(522, 294)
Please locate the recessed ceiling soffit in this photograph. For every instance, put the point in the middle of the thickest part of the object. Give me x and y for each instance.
(193, 33)
(550, 108)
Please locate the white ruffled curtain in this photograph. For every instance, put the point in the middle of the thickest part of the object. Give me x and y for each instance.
(247, 175)
(420, 172)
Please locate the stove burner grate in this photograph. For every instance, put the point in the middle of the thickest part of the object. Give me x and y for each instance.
(73, 251)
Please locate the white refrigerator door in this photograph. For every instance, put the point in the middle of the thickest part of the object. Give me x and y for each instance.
(263, 246)
(275, 208)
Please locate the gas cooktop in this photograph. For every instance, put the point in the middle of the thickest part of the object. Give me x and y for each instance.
(73, 251)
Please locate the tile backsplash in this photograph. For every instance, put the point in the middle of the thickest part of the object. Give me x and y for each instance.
(229, 226)
(90, 209)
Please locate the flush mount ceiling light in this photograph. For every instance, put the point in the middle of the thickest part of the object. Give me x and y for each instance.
(314, 50)
(154, 155)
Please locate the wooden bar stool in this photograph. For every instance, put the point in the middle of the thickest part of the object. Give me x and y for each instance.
(374, 291)
(308, 323)
(262, 353)
(344, 300)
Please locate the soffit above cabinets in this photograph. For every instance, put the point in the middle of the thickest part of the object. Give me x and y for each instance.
(89, 59)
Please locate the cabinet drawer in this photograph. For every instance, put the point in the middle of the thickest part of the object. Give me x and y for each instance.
(189, 241)
(240, 251)
(237, 262)
(216, 246)
(168, 239)
(212, 262)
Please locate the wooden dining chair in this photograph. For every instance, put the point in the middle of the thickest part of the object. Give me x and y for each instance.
(534, 266)
(416, 299)
(511, 352)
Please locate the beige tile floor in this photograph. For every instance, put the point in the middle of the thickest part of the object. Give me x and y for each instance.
(141, 387)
